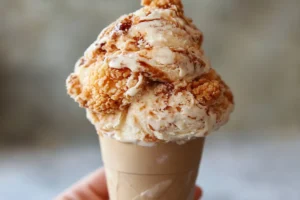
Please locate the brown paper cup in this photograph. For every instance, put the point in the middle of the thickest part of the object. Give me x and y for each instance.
(160, 172)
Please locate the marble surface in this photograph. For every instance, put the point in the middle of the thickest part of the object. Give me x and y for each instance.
(231, 170)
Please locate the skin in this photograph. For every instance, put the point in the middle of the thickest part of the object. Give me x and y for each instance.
(87, 188)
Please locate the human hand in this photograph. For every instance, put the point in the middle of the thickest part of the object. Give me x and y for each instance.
(88, 189)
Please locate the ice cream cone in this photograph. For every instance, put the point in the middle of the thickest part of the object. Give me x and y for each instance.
(163, 171)
(147, 80)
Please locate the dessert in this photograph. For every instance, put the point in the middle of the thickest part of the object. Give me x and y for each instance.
(150, 65)
(146, 82)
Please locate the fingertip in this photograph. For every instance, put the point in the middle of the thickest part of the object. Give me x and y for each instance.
(198, 193)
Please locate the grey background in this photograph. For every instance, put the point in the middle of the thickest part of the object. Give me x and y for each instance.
(47, 143)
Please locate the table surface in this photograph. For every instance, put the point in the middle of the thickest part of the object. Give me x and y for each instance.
(230, 170)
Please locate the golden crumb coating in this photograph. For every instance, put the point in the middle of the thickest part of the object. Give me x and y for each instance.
(74, 89)
(105, 90)
(211, 91)
(107, 87)
(73, 85)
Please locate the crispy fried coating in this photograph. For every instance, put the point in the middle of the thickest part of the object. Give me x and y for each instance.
(211, 91)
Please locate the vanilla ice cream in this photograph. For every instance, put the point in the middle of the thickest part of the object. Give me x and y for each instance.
(146, 79)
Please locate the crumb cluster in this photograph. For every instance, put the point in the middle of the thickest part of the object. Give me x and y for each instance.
(162, 3)
(105, 91)
(211, 91)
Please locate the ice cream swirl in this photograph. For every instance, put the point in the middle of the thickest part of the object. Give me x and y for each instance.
(146, 78)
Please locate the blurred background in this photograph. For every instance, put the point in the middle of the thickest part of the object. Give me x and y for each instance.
(47, 143)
